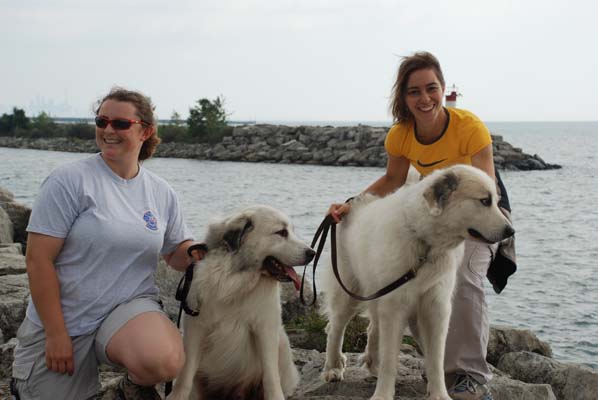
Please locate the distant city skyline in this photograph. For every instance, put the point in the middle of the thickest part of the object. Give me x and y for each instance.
(314, 60)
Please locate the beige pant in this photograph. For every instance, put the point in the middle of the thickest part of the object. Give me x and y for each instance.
(469, 328)
(467, 339)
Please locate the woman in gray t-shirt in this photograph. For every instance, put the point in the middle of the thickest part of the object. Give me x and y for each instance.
(96, 231)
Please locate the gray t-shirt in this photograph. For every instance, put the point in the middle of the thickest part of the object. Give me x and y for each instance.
(114, 230)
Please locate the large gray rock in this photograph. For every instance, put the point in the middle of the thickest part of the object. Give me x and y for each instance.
(6, 358)
(19, 215)
(6, 227)
(14, 290)
(167, 280)
(11, 248)
(569, 382)
(11, 264)
(506, 340)
(6, 196)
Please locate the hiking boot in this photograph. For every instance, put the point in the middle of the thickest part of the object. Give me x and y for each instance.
(127, 390)
(467, 388)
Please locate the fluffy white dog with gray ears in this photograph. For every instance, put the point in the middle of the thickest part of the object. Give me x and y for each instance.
(237, 347)
(422, 228)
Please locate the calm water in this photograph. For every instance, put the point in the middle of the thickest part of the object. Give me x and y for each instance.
(554, 293)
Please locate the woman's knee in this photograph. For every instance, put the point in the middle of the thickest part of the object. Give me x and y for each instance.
(157, 366)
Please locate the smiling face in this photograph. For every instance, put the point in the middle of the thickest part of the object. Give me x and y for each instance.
(424, 96)
(120, 147)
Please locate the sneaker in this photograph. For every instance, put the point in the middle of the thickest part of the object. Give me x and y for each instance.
(466, 388)
(127, 390)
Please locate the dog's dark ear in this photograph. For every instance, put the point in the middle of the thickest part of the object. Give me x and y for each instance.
(438, 194)
(238, 229)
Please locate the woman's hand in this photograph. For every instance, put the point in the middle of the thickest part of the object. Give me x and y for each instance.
(181, 257)
(197, 253)
(337, 211)
(59, 353)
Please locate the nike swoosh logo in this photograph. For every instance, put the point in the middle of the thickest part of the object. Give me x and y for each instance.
(421, 164)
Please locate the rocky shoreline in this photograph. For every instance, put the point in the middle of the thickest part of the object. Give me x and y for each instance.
(359, 145)
(523, 365)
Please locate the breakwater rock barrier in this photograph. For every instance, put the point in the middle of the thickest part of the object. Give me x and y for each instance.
(359, 145)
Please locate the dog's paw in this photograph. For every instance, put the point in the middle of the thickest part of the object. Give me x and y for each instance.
(368, 362)
(333, 375)
(334, 368)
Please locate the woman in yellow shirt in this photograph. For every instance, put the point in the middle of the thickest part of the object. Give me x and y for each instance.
(429, 136)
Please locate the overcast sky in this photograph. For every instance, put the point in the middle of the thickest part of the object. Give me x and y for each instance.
(309, 60)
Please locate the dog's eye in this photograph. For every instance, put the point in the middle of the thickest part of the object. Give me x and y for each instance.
(487, 202)
(283, 232)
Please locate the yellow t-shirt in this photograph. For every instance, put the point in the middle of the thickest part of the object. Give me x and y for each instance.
(463, 137)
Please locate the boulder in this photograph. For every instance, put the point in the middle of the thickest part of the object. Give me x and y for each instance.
(11, 264)
(568, 381)
(6, 196)
(14, 290)
(505, 340)
(19, 215)
(6, 358)
(6, 227)
(11, 248)
(167, 280)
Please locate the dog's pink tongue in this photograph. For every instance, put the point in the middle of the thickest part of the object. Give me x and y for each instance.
(291, 273)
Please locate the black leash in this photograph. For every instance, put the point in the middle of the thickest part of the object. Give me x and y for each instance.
(328, 224)
(182, 291)
(321, 234)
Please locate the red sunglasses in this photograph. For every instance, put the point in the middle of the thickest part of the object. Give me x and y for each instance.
(118, 124)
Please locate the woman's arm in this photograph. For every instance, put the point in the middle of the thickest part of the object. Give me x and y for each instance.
(42, 250)
(395, 177)
(484, 160)
(179, 259)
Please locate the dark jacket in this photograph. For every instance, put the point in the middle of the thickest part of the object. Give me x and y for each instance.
(504, 262)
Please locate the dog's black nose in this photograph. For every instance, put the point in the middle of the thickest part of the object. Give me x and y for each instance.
(309, 255)
(508, 232)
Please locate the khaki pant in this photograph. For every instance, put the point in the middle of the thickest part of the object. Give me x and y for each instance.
(469, 328)
(34, 381)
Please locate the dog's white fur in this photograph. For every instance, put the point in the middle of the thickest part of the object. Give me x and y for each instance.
(237, 345)
(380, 240)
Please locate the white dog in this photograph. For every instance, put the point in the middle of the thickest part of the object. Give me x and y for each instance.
(237, 347)
(422, 228)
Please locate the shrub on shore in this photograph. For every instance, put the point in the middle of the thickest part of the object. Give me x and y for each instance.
(309, 331)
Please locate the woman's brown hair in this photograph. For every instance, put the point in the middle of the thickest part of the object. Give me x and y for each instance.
(415, 62)
(144, 110)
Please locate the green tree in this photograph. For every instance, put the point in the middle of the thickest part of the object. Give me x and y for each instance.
(44, 126)
(207, 120)
(20, 120)
(10, 123)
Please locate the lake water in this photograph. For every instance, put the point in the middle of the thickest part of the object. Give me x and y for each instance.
(555, 291)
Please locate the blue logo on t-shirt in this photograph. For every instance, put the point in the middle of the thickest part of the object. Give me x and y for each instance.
(150, 221)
